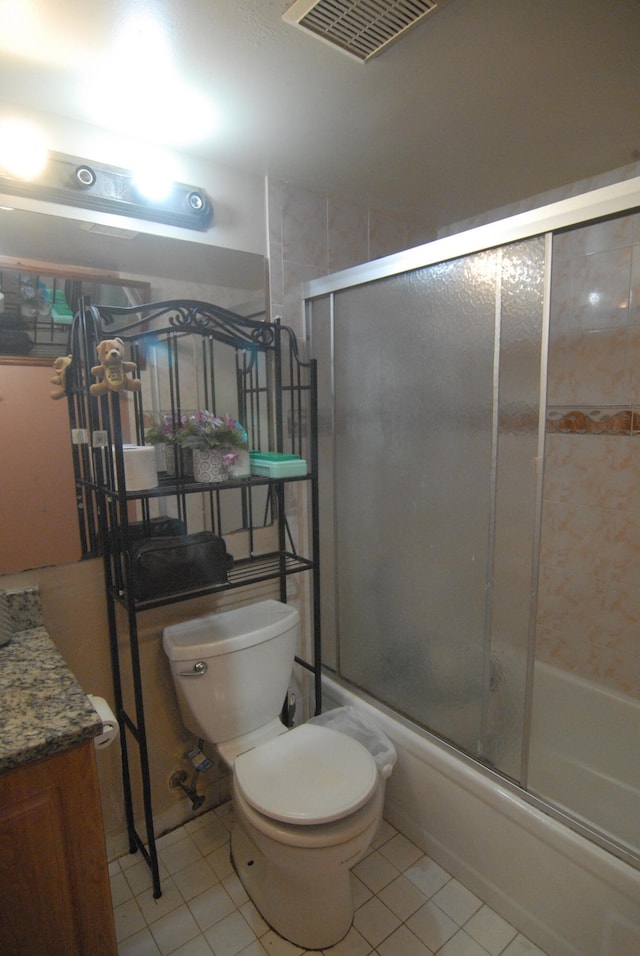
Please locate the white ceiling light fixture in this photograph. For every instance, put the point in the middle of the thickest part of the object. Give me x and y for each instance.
(362, 28)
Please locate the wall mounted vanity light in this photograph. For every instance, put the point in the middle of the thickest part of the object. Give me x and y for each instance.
(73, 181)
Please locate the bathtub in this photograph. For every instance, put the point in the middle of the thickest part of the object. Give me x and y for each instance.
(566, 894)
(585, 752)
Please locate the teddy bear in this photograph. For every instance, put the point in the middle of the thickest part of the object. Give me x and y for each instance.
(60, 365)
(112, 373)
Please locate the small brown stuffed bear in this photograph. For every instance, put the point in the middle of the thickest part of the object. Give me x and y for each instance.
(60, 365)
(112, 371)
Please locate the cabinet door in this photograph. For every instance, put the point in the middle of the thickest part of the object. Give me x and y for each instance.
(54, 888)
(38, 506)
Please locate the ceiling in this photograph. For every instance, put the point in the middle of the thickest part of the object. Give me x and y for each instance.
(482, 103)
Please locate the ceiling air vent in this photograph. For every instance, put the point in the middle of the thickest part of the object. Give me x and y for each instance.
(360, 27)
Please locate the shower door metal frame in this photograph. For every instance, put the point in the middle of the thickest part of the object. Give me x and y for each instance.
(598, 204)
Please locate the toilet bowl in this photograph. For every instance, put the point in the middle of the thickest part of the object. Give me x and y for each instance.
(307, 800)
(307, 807)
(298, 877)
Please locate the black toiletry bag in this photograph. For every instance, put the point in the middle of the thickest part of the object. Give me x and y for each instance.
(168, 565)
(161, 527)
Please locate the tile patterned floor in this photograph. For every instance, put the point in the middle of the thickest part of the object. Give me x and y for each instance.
(406, 905)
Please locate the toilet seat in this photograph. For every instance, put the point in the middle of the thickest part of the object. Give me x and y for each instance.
(318, 837)
(308, 776)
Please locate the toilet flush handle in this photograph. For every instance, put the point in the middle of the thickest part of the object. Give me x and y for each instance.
(198, 669)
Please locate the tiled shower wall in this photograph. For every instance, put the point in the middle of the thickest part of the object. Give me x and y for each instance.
(314, 233)
(589, 599)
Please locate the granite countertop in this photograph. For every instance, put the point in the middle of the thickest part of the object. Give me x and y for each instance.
(43, 709)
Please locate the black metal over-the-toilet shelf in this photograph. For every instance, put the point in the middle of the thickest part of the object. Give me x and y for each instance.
(189, 355)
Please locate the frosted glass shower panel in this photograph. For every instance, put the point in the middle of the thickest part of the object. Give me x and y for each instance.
(516, 516)
(320, 326)
(414, 399)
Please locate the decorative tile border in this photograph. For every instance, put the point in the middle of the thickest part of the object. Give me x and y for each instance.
(611, 420)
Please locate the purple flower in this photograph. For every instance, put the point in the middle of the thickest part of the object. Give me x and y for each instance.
(207, 430)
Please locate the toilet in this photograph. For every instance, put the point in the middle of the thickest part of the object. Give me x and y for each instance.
(307, 800)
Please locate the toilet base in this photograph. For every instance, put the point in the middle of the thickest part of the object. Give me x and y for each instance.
(309, 913)
(303, 893)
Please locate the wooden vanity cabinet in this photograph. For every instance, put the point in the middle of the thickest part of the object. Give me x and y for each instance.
(55, 897)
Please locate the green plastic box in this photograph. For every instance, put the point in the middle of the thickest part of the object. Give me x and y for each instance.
(274, 465)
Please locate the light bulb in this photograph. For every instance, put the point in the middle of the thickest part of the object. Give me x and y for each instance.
(23, 152)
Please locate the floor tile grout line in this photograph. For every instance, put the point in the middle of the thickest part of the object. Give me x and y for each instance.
(190, 828)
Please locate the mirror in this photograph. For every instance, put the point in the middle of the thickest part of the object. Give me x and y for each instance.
(38, 523)
(38, 301)
(38, 519)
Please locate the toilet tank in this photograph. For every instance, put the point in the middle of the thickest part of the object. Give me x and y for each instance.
(231, 669)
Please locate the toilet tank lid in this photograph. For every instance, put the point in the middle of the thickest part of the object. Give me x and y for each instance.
(223, 632)
(308, 776)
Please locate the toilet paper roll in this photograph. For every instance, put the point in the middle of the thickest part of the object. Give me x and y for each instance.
(140, 469)
(110, 729)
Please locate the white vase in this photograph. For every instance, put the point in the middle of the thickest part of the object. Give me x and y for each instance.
(208, 464)
(241, 468)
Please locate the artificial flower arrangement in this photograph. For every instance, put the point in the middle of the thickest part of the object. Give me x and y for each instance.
(169, 430)
(206, 430)
(201, 431)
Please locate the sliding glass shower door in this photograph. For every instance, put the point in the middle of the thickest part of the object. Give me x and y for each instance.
(429, 444)
(479, 465)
